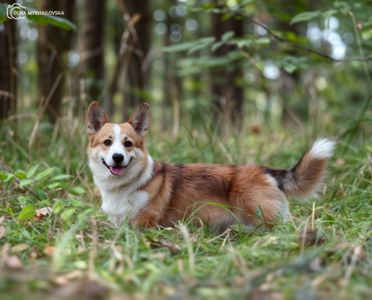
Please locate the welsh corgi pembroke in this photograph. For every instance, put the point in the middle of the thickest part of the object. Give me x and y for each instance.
(149, 193)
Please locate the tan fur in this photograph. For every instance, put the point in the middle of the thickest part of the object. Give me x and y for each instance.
(106, 132)
(199, 190)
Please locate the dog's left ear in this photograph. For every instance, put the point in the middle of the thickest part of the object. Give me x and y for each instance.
(95, 117)
(140, 119)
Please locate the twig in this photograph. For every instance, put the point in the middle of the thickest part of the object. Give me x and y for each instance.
(298, 46)
(125, 49)
(42, 110)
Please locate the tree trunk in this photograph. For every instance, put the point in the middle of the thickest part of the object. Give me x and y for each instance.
(136, 78)
(92, 48)
(52, 44)
(226, 89)
(8, 68)
(118, 32)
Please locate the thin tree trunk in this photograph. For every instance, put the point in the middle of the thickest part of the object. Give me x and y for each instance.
(92, 48)
(167, 76)
(8, 68)
(118, 32)
(227, 92)
(52, 44)
(136, 79)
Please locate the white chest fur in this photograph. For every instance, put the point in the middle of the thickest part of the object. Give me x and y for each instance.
(126, 202)
(121, 205)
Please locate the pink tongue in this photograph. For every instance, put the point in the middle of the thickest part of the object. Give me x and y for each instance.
(118, 171)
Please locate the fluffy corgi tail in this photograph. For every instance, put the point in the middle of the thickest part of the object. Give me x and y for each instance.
(306, 177)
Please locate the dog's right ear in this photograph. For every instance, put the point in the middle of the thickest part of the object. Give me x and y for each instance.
(95, 118)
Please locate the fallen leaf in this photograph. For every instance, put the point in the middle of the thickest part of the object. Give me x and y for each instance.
(316, 264)
(340, 162)
(66, 278)
(264, 293)
(255, 129)
(356, 255)
(20, 248)
(13, 263)
(49, 250)
(41, 213)
(2, 231)
(163, 243)
(81, 289)
(2, 218)
(311, 237)
(158, 255)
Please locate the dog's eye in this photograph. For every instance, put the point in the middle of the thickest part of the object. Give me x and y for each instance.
(107, 143)
(128, 144)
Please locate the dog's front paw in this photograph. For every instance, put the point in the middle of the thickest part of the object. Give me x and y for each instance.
(116, 220)
(147, 219)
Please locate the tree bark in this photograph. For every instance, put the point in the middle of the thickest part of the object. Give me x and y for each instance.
(227, 92)
(136, 78)
(92, 47)
(52, 44)
(8, 68)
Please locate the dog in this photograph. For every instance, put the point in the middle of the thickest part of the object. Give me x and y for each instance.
(149, 193)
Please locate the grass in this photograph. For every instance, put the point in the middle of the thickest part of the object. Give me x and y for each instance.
(73, 252)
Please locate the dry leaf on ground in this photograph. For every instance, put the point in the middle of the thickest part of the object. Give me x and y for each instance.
(13, 263)
(2, 231)
(41, 213)
(49, 250)
(20, 248)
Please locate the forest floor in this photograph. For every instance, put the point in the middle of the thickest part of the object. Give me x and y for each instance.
(57, 244)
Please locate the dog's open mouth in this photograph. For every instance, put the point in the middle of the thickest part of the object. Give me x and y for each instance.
(117, 170)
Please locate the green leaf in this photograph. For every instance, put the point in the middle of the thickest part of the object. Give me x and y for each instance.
(289, 68)
(44, 174)
(328, 13)
(78, 190)
(61, 177)
(52, 20)
(20, 174)
(179, 47)
(3, 17)
(9, 177)
(27, 213)
(58, 206)
(305, 16)
(32, 171)
(41, 193)
(67, 213)
(39, 19)
(342, 6)
(25, 182)
(248, 42)
(23, 200)
(53, 186)
(3, 176)
(227, 36)
(191, 47)
(202, 43)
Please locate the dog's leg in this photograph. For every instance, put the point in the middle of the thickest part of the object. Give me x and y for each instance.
(152, 214)
(258, 199)
(116, 219)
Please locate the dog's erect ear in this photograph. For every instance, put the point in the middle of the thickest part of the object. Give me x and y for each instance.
(95, 117)
(140, 119)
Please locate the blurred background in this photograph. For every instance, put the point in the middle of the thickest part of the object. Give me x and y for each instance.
(231, 66)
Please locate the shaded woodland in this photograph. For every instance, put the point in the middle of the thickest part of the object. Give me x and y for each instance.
(233, 59)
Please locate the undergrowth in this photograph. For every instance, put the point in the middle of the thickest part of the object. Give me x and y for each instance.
(56, 243)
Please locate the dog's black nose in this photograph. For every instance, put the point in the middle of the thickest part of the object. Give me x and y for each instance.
(118, 158)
